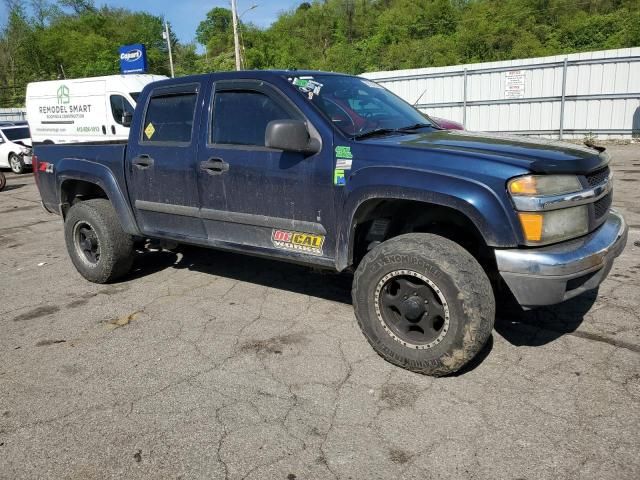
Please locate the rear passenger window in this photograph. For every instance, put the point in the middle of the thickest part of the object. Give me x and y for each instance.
(241, 117)
(169, 118)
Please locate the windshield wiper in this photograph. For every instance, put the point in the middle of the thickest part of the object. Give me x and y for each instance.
(415, 126)
(386, 131)
(375, 132)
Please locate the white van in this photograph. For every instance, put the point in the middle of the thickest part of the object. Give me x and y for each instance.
(83, 109)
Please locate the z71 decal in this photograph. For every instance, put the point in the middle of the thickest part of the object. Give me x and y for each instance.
(298, 241)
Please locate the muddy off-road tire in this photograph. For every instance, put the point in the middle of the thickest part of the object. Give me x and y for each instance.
(424, 303)
(99, 249)
(3, 181)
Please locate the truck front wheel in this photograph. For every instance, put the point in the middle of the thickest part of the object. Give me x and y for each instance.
(99, 249)
(424, 303)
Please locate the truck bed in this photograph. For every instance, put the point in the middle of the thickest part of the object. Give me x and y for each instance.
(48, 159)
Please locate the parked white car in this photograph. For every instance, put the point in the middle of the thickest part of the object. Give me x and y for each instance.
(15, 148)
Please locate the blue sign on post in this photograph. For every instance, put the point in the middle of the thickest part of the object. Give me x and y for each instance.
(133, 58)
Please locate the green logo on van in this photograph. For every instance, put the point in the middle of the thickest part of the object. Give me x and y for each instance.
(63, 95)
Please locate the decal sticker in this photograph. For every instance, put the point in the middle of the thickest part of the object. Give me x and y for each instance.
(343, 152)
(343, 164)
(298, 241)
(307, 85)
(45, 167)
(149, 131)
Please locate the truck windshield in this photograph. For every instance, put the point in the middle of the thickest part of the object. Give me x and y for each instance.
(359, 107)
(135, 96)
(16, 133)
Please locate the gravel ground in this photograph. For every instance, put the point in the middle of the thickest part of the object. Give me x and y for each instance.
(204, 364)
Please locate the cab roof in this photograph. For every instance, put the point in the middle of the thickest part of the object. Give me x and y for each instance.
(247, 74)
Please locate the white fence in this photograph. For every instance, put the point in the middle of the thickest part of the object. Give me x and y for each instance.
(12, 114)
(570, 96)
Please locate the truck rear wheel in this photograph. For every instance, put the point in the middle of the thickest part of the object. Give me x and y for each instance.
(99, 249)
(424, 303)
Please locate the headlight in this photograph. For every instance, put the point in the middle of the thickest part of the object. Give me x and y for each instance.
(544, 212)
(554, 226)
(544, 185)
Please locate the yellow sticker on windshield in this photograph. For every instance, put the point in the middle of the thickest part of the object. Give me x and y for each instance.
(149, 131)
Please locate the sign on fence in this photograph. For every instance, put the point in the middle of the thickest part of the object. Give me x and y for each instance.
(514, 84)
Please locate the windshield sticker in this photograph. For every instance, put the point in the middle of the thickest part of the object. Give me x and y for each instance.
(149, 131)
(343, 152)
(297, 241)
(339, 178)
(307, 85)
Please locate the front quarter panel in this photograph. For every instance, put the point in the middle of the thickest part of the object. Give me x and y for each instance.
(483, 205)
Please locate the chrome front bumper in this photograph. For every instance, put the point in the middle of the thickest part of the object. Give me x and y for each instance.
(553, 274)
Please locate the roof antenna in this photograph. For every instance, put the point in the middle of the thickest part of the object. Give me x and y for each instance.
(420, 97)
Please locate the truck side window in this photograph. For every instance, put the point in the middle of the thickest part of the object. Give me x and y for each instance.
(241, 117)
(169, 118)
(119, 105)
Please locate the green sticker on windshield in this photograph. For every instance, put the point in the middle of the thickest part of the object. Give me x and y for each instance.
(344, 152)
(300, 82)
(307, 85)
(339, 178)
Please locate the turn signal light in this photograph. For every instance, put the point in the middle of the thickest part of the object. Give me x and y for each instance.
(531, 226)
(523, 186)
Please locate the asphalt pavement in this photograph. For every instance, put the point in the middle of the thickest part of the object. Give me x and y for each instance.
(204, 364)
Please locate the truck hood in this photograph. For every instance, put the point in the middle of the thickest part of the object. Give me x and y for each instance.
(536, 155)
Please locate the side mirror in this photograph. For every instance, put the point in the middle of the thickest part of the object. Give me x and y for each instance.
(290, 136)
(126, 119)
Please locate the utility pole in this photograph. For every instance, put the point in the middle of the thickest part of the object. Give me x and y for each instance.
(236, 42)
(166, 35)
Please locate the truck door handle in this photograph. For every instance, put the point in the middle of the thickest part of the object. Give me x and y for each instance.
(143, 161)
(214, 166)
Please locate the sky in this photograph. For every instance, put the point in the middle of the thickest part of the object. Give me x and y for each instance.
(185, 15)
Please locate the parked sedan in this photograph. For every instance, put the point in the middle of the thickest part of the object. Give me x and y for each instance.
(15, 148)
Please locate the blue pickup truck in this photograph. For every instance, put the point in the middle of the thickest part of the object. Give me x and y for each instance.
(334, 171)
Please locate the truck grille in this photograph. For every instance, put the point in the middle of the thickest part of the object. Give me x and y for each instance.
(601, 207)
(597, 177)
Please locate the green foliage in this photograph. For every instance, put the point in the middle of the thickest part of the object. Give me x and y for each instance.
(359, 35)
(71, 38)
(336, 35)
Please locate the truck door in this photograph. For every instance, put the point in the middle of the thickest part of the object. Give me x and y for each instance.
(256, 196)
(162, 178)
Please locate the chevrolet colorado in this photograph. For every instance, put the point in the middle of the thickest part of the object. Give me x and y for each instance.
(336, 172)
